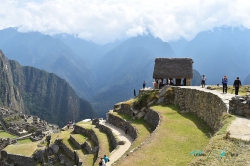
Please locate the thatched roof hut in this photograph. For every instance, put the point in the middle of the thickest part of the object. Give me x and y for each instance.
(173, 68)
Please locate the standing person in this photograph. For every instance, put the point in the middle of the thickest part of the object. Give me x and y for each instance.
(144, 84)
(237, 84)
(203, 81)
(126, 129)
(224, 83)
(184, 82)
(102, 162)
(68, 125)
(106, 159)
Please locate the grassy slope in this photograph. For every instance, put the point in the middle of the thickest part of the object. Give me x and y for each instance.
(4, 134)
(174, 139)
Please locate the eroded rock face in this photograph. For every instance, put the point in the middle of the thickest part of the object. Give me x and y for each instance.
(54, 148)
(38, 155)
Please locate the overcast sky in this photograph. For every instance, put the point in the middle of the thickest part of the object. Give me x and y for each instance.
(103, 21)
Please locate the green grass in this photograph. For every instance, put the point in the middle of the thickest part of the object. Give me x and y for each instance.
(171, 144)
(26, 149)
(79, 138)
(104, 142)
(86, 125)
(23, 141)
(4, 134)
(237, 151)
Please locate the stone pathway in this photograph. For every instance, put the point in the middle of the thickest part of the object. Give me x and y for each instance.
(240, 127)
(116, 154)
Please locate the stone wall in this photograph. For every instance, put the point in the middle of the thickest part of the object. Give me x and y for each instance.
(148, 114)
(205, 105)
(123, 108)
(89, 149)
(89, 133)
(67, 150)
(71, 153)
(92, 135)
(152, 117)
(121, 123)
(239, 106)
(111, 135)
(77, 144)
(18, 159)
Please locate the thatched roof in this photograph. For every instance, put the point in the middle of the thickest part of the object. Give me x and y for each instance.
(173, 68)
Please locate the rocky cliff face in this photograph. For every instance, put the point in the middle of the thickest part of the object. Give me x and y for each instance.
(37, 92)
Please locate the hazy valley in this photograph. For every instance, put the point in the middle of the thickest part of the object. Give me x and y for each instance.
(107, 74)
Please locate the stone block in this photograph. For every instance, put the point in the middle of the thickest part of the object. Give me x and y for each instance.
(121, 142)
(140, 114)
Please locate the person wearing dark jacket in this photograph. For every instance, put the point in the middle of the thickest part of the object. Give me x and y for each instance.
(224, 84)
(237, 84)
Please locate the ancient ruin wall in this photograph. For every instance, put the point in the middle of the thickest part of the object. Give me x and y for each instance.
(110, 134)
(77, 144)
(239, 106)
(89, 133)
(205, 105)
(19, 160)
(121, 123)
(152, 117)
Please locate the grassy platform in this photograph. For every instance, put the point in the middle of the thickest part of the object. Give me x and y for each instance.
(26, 149)
(173, 140)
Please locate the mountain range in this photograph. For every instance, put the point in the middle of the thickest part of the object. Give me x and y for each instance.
(218, 52)
(107, 74)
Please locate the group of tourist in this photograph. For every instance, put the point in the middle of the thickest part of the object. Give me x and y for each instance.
(224, 81)
(158, 83)
(103, 160)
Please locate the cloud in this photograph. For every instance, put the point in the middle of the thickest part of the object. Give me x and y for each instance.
(105, 21)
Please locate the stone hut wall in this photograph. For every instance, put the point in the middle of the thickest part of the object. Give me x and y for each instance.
(121, 123)
(239, 106)
(110, 134)
(205, 105)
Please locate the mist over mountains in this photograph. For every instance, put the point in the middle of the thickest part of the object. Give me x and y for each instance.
(219, 52)
(107, 74)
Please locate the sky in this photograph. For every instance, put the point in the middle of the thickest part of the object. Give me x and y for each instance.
(104, 21)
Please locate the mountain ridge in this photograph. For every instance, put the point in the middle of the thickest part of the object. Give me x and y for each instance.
(42, 94)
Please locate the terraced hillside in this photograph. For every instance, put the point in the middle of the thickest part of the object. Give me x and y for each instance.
(161, 133)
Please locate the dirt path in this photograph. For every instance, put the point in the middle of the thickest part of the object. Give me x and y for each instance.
(116, 154)
(240, 127)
